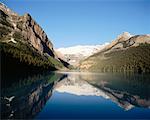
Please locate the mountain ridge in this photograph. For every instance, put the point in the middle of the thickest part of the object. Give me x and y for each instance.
(24, 44)
(126, 53)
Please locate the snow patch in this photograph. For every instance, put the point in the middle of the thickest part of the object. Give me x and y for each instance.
(74, 54)
(85, 50)
(12, 40)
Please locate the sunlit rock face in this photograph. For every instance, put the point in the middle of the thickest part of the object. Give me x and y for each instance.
(28, 43)
(126, 40)
(24, 27)
(106, 86)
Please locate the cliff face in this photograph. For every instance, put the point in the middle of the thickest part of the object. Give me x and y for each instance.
(29, 29)
(25, 43)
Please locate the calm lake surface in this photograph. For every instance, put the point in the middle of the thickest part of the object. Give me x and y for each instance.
(62, 95)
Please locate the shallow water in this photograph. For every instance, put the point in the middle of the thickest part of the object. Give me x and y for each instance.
(60, 95)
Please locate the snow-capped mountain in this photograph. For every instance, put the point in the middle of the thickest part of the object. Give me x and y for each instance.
(74, 84)
(77, 53)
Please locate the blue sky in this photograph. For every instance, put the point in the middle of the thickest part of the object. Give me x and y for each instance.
(86, 22)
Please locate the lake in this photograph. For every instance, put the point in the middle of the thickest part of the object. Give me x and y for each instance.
(76, 95)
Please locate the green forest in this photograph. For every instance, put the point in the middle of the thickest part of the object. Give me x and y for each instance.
(21, 58)
(133, 59)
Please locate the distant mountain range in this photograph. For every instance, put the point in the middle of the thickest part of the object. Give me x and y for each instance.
(24, 44)
(75, 54)
(124, 54)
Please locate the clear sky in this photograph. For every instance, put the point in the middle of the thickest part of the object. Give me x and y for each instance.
(86, 22)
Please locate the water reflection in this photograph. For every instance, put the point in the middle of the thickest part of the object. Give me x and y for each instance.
(127, 90)
(25, 98)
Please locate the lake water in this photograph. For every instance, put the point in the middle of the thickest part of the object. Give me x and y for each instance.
(62, 95)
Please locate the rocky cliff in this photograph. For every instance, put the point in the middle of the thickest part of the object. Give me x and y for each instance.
(28, 28)
(24, 41)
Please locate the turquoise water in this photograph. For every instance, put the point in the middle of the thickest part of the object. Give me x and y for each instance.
(75, 95)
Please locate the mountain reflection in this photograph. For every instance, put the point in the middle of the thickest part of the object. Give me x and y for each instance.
(25, 98)
(127, 90)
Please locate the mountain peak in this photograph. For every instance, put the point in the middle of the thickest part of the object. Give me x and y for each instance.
(7, 10)
(124, 35)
